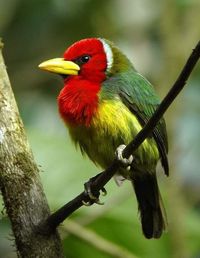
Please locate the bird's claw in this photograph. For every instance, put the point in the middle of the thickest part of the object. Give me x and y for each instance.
(126, 162)
(104, 192)
(99, 202)
(89, 203)
(93, 196)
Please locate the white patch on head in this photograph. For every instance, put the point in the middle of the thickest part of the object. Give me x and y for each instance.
(2, 132)
(109, 54)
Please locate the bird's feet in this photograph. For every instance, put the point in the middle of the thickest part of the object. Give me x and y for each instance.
(126, 162)
(92, 193)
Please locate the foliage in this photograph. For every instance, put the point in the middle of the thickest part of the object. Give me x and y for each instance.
(157, 37)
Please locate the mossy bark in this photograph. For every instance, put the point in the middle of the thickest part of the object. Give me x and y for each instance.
(20, 183)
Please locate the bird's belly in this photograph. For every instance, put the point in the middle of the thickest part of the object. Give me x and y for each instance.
(112, 126)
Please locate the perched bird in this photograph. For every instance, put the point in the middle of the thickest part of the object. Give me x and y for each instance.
(105, 102)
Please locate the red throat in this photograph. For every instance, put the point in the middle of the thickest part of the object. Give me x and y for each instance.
(78, 101)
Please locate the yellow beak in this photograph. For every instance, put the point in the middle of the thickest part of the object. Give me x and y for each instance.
(60, 66)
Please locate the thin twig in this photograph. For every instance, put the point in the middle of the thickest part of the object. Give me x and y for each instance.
(96, 240)
(113, 202)
(61, 214)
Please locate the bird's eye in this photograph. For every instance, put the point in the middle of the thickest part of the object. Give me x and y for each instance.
(84, 59)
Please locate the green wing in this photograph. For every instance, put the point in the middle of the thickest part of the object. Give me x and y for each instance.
(139, 96)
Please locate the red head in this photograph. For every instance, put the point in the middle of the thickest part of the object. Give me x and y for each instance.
(89, 54)
(84, 67)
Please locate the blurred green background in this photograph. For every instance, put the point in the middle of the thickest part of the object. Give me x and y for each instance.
(158, 36)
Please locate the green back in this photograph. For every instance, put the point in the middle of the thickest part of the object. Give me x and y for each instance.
(139, 96)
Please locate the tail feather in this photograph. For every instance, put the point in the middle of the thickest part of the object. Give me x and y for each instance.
(150, 205)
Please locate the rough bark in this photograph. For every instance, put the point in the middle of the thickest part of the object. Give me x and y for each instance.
(20, 183)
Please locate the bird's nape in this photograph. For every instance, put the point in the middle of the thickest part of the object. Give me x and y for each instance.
(104, 103)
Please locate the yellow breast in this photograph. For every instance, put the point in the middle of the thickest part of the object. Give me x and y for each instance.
(115, 121)
(111, 126)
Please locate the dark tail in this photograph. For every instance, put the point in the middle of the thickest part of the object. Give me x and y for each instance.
(150, 205)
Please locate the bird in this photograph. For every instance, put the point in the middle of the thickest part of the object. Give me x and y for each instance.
(104, 103)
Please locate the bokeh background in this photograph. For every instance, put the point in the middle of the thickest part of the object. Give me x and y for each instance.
(157, 36)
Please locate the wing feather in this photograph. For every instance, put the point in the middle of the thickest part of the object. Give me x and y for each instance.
(139, 96)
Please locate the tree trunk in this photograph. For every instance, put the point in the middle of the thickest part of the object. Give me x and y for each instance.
(20, 184)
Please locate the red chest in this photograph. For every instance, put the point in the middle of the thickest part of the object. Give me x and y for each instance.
(78, 101)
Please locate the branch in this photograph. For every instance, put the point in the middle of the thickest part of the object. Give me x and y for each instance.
(61, 214)
(20, 184)
(95, 240)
